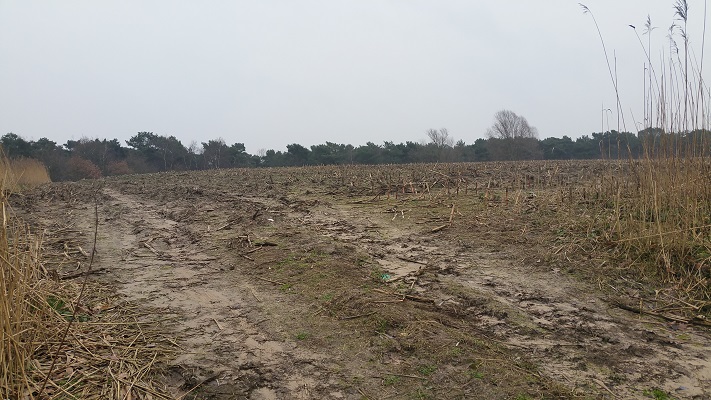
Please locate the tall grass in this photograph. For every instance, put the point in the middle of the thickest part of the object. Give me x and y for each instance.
(661, 208)
(58, 340)
(22, 173)
(24, 313)
(29, 172)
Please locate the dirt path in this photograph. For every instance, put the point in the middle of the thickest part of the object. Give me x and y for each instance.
(219, 317)
(233, 277)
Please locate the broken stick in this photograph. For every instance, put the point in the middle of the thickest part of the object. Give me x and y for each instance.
(439, 228)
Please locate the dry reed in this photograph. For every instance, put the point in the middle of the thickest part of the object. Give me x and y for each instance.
(22, 173)
(112, 348)
(660, 206)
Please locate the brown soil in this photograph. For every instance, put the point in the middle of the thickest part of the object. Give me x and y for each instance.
(294, 283)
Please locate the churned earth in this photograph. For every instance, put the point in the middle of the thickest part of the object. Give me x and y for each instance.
(300, 283)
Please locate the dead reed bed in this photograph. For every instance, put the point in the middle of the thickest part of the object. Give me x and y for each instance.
(59, 342)
(23, 173)
(657, 214)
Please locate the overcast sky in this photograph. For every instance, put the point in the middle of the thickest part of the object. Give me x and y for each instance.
(268, 73)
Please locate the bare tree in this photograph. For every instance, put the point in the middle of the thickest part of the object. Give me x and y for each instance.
(508, 125)
(512, 138)
(440, 138)
(442, 142)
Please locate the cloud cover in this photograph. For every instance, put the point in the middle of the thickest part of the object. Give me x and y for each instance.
(272, 72)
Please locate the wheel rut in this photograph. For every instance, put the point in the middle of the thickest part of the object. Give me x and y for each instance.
(218, 317)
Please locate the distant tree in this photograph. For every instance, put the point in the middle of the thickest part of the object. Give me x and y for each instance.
(480, 150)
(395, 153)
(239, 156)
(458, 152)
(512, 138)
(100, 152)
(699, 141)
(557, 149)
(508, 125)
(440, 138)
(216, 154)
(43, 145)
(273, 159)
(442, 142)
(172, 152)
(15, 146)
(330, 154)
(163, 153)
(145, 145)
(617, 145)
(418, 152)
(194, 155)
(297, 154)
(370, 154)
(143, 141)
(54, 157)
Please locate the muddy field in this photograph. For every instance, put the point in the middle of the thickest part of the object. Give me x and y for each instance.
(407, 282)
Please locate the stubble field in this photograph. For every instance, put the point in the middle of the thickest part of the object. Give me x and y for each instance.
(447, 281)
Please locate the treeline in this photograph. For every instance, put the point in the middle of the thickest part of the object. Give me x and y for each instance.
(148, 152)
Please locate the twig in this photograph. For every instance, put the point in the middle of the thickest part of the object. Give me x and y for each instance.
(254, 294)
(403, 376)
(149, 247)
(602, 384)
(270, 281)
(201, 383)
(84, 253)
(673, 318)
(411, 260)
(385, 335)
(407, 296)
(663, 233)
(72, 276)
(320, 310)
(142, 387)
(264, 243)
(363, 393)
(439, 228)
(225, 226)
(253, 250)
(357, 316)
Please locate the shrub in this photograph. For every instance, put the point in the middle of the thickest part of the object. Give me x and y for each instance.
(79, 168)
(119, 168)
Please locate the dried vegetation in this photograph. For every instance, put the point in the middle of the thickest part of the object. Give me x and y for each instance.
(62, 339)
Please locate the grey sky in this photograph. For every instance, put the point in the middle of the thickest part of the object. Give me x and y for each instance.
(272, 72)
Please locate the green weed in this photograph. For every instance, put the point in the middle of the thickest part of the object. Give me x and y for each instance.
(427, 369)
(658, 394)
(391, 380)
